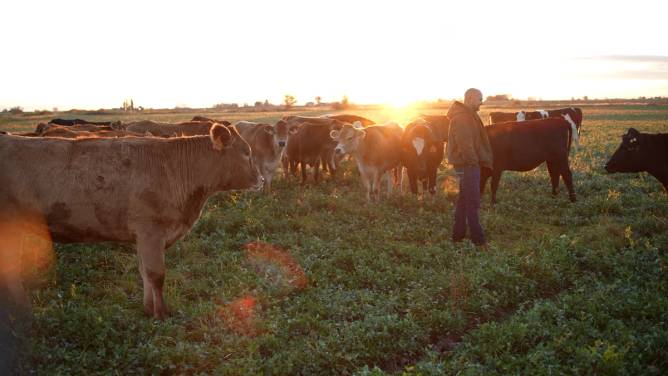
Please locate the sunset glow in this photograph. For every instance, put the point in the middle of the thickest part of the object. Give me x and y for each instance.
(93, 55)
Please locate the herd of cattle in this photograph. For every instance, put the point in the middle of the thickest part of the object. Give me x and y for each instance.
(145, 183)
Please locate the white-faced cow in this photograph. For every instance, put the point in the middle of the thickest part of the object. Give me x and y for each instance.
(523, 146)
(642, 152)
(422, 150)
(376, 149)
(143, 191)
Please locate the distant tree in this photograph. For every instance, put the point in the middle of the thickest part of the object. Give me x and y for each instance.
(345, 102)
(318, 100)
(266, 103)
(499, 97)
(257, 104)
(16, 110)
(289, 101)
(585, 98)
(55, 109)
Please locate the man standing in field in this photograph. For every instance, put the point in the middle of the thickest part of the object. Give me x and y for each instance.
(468, 150)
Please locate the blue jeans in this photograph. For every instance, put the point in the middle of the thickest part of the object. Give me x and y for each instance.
(468, 204)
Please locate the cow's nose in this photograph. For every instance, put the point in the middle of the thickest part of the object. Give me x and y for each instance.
(281, 143)
(338, 151)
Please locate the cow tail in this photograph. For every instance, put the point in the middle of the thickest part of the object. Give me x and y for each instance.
(570, 137)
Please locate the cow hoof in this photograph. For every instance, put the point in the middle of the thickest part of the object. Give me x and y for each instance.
(573, 199)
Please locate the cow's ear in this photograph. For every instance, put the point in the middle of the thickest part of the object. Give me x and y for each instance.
(361, 133)
(220, 136)
(357, 125)
(334, 134)
(294, 129)
(269, 129)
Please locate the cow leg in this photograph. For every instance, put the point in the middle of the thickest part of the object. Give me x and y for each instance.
(554, 177)
(366, 183)
(568, 179)
(432, 181)
(303, 165)
(377, 176)
(484, 175)
(151, 254)
(316, 172)
(496, 178)
(11, 250)
(412, 181)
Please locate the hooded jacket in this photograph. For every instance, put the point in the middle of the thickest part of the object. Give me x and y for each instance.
(468, 144)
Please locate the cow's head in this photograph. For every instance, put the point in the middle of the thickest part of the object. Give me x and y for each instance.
(629, 155)
(347, 138)
(280, 133)
(521, 116)
(236, 170)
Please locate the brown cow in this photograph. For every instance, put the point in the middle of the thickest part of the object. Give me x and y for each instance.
(377, 149)
(349, 118)
(65, 132)
(143, 191)
(188, 128)
(44, 127)
(268, 143)
(205, 119)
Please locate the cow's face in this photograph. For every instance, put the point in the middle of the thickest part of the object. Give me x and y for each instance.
(348, 139)
(628, 156)
(237, 170)
(521, 116)
(281, 131)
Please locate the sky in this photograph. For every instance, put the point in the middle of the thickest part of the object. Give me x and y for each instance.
(162, 54)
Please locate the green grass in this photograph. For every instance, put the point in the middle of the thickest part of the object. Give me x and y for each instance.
(566, 288)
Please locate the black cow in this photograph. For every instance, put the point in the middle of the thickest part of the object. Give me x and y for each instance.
(523, 146)
(70, 122)
(206, 119)
(309, 145)
(642, 152)
(422, 150)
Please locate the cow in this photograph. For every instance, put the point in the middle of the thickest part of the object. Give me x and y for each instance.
(70, 122)
(422, 150)
(166, 130)
(268, 143)
(376, 149)
(642, 152)
(311, 145)
(321, 140)
(348, 118)
(205, 119)
(44, 127)
(572, 114)
(523, 146)
(143, 191)
(65, 132)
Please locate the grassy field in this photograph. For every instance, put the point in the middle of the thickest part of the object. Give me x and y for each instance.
(356, 288)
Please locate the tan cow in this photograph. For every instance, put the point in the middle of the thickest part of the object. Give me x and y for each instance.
(143, 191)
(44, 127)
(376, 149)
(268, 143)
(66, 132)
(188, 128)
